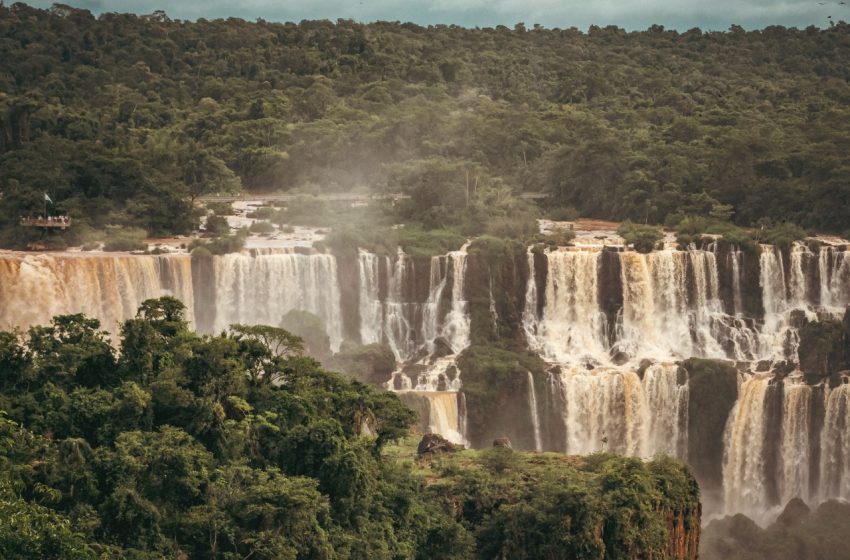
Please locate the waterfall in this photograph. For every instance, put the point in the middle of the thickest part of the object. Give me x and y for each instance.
(110, 288)
(744, 450)
(737, 300)
(456, 324)
(749, 472)
(535, 416)
(262, 288)
(431, 309)
(573, 325)
(798, 284)
(398, 313)
(371, 309)
(444, 416)
(795, 451)
(614, 410)
(834, 272)
(410, 325)
(529, 310)
(835, 445)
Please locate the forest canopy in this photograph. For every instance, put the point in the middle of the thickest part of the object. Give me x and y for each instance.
(239, 446)
(126, 119)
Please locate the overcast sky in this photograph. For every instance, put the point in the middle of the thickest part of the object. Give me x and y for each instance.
(631, 14)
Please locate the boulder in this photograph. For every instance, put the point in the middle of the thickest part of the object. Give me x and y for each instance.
(442, 348)
(620, 358)
(794, 512)
(435, 443)
(643, 366)
(798, 319)
(502, 442)
(821, 349)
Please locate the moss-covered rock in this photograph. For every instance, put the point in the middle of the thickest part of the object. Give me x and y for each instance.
(496, 385)
(713, 389)
(370, 363)
(822, 347)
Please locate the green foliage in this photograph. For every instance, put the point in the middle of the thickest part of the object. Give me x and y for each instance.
(414, 240)
(219, 245)
(783, 235)
(692, 228)
(217, 225)
(124, 239)
(208, 447)
(643, 238)
(33, 532)
(262, 227)
(562, 214)
(558, 237)
(127, 120)
(220, 208)
(550, 506)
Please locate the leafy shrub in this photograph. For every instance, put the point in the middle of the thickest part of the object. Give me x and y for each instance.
(558, 237)
(263, 213)
(217, 225)
(124, 239)
(782, 235)
(262, 227)
(220, 208)
(644, 238)
(220, 245)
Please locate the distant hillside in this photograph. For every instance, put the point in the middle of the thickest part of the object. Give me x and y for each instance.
(124, 119)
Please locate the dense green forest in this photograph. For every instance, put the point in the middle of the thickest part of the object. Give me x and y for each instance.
(238, 446)
(125, 119)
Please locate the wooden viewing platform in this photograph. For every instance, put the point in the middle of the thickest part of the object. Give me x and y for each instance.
(59, 222)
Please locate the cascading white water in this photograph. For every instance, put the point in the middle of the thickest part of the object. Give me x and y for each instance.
(743, 454)
(397, 312)
(456, 324)
(407, 325)
(445, 416)
(795, 449)
(747, 472)
(529, 310)
(371, 309)
(262, 288)
(110, 288)
(835, 445)
(834, 271)
(572, 327)
(411, 328)
(735, 258)
(614, 410)
(535, 415)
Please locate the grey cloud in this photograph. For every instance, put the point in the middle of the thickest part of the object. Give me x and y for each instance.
(631, 14)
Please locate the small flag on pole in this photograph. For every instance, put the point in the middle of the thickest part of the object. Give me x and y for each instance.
(47, 198)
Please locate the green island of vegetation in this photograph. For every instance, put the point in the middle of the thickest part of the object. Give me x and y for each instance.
(240, 446)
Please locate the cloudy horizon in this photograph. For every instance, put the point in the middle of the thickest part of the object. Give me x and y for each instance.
(629, 14)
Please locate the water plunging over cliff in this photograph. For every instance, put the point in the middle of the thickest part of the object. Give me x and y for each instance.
(423, 327)
(263, 286)
(110, 288)
(618, 411)
(257, 287)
